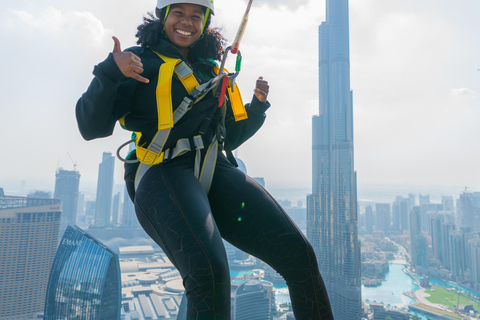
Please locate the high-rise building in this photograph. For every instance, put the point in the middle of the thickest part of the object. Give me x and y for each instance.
(468, 206)
(66, 189)
(446, 229)
(103, 206)
(129, 218)
(457, 255)
(447, 202)
(369, 220)
(332, 207)
(423, 199)
(253, 301)
(474, 252)
(400, 209)
(418, 242)
(382, 217)
(84, 281)
(436, 235)
(29, 230)
(411, 200)
(116, 209)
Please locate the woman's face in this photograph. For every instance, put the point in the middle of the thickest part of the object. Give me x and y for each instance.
(184, 24)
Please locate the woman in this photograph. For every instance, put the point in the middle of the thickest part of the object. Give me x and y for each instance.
(184, 212)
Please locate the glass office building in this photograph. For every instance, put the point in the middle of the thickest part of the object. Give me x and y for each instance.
(332, 206)
(253, 301)
(84, 280)
(29, 231)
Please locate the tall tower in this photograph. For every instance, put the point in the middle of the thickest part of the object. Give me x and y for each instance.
(66, 189)
(29, 232)
(103, 206)
(84, 280)
(332, 206)
(129, 219)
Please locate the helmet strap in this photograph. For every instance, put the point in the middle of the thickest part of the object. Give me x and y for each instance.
(166, 14)
(207, 12)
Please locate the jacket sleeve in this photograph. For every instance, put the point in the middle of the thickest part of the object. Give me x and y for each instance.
(240, 131)
(103, 103)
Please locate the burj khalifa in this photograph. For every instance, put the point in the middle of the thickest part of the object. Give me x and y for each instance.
(332, 206)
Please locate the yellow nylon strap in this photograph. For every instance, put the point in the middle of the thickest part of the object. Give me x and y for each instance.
(237, 104)
(236, 101)
(164, 95)
(189, 81)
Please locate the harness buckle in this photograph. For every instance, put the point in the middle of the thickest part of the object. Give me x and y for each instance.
(167, 156)
(149, 157)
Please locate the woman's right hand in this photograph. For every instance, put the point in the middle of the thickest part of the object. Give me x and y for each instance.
(129, 64)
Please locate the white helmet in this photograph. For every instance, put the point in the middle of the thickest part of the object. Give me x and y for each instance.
(204, 3)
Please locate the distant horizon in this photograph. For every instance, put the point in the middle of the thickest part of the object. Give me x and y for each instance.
(374, 193)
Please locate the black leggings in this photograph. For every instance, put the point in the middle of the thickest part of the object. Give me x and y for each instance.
(189, 226)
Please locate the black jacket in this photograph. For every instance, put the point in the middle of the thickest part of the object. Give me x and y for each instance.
(111, 95)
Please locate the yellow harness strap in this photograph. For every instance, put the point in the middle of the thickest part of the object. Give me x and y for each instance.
(164, 87)
(236, 101)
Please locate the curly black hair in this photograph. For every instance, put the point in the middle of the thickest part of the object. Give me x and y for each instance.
(211, 44)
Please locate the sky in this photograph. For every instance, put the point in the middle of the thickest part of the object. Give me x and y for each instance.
(414, 74)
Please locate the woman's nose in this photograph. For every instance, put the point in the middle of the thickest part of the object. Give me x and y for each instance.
(187, 21)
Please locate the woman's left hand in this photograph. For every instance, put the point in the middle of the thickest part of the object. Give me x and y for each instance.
(261, 89)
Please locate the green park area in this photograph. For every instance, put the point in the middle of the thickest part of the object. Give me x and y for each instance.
(450, 298)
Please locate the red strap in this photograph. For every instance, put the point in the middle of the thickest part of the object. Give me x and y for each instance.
(223, 90)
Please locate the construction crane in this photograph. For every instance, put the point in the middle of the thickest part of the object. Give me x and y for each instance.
(73, 162)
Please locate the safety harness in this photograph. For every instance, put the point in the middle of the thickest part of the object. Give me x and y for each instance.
(154, 153)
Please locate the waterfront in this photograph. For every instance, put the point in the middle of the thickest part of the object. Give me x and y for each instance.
(390, 292)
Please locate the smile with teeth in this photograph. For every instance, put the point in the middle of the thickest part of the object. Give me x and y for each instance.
(184, 33)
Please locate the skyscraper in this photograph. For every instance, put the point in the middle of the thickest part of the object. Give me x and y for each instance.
(104, 190)
(468, 210)
(332, 206)
(252, 301)
(116, 209)
(66, 189)
(29, 229)
(400, 214)
(129, 218)
(418, 242)
(382, 217)
(84, 281)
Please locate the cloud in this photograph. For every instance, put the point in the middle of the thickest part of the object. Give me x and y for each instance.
(291, 4)
(463, 92)
(52, 23)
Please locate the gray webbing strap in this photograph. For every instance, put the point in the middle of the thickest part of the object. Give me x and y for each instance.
(142, 169)
(198, 142)
(183, 70)
(183, 146)
(208, 167)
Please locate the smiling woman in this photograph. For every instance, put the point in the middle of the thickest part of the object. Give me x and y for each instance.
(187, 193)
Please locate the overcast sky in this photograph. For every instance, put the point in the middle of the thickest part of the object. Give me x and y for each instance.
(414, 76)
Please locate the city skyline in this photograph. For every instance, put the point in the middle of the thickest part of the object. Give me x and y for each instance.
(414, 70)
